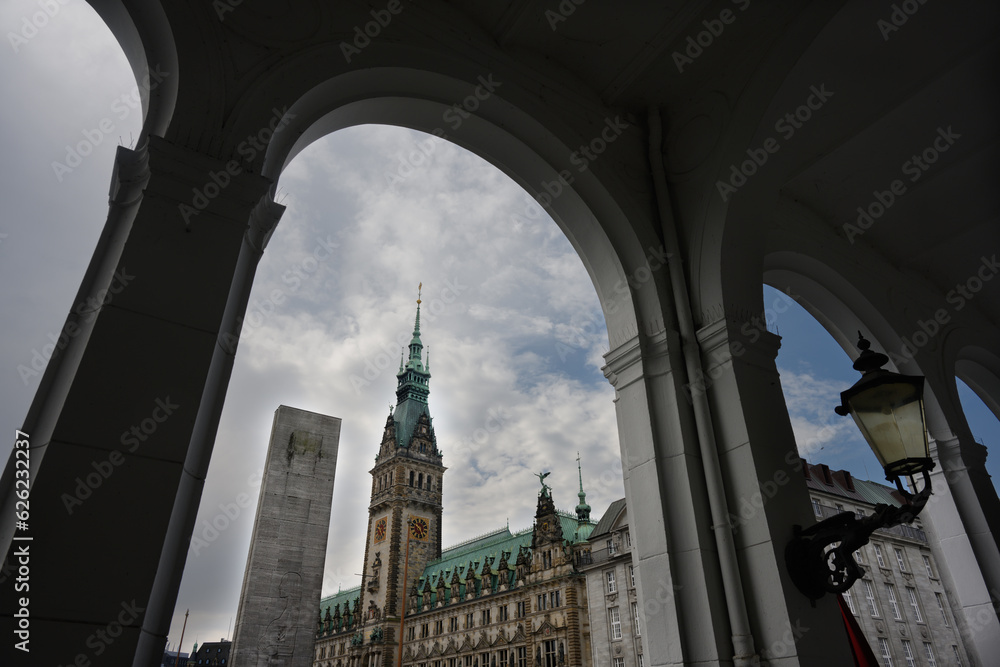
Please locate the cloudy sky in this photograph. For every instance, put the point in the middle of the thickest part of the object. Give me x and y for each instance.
(513, 324)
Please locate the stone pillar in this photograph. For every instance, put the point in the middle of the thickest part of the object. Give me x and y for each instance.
(678, 587)
(116, 415)
(766, 494)
(276, 618)
(953, 534)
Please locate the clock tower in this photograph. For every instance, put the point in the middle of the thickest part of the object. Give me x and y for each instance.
(404, 515)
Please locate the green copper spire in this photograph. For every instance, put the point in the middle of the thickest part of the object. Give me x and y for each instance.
(412, 388)
(583, 509)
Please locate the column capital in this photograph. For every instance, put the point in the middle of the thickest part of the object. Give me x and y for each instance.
(739, 338)
(203, 186)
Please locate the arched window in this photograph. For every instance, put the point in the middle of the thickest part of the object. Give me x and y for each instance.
(420, 481)
(411, 478)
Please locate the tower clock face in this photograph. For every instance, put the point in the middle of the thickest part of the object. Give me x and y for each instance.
(419, 528)
(380, 530)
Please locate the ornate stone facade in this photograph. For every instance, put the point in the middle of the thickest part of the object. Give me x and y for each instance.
(499, 600)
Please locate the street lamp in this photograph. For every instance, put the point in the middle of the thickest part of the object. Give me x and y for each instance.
(889, 410)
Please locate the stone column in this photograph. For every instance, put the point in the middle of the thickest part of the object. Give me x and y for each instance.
(766, 494)
(276, 618)
(116, 417)
(954, 530)
(678, 587)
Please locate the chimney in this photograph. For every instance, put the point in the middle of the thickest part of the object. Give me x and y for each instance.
(805, 468)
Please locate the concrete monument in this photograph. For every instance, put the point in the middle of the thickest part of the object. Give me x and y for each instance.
(284, 570)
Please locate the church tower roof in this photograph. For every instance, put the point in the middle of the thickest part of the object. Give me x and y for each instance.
(413, 386)
(582, 509)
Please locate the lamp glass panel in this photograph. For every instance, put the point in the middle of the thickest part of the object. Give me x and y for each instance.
(891, 418)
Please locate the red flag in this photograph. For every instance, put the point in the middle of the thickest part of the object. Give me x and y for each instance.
(862, 652)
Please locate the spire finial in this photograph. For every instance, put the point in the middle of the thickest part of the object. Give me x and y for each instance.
(583, 509)
(420, 288)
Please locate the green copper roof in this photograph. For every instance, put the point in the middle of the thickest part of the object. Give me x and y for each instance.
(412, 388)
(490, 545)
(340, 597)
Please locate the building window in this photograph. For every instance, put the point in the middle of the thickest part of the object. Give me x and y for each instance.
(840, 508)
(411, 633)
(522, 656)
(638, 660)
(636, 626)
(883, 645)
(453, 624)
(908, 653)
(424, 631)
(631, 576)
(890, 591)
(619, 662)
(502, 616)
(439, 627)
(929, 652)
(612, 548)
(958, 657)
(420, 481)
(878, 555)
(484, 659)
(612, 587)
(411, 478)
(870, 596)
(470, 620)
(616, 623)
(849, 599)
(628, 539)
(912, 593)
(859, 556)
(554, 599)
(817, 510)
(540, 606)
(927, 566)
(486, 617)
(899, 559)
(944, 614)
(549, 658)
(521, 611)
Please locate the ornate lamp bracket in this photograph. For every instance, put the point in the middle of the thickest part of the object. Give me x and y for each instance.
(820, 559)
